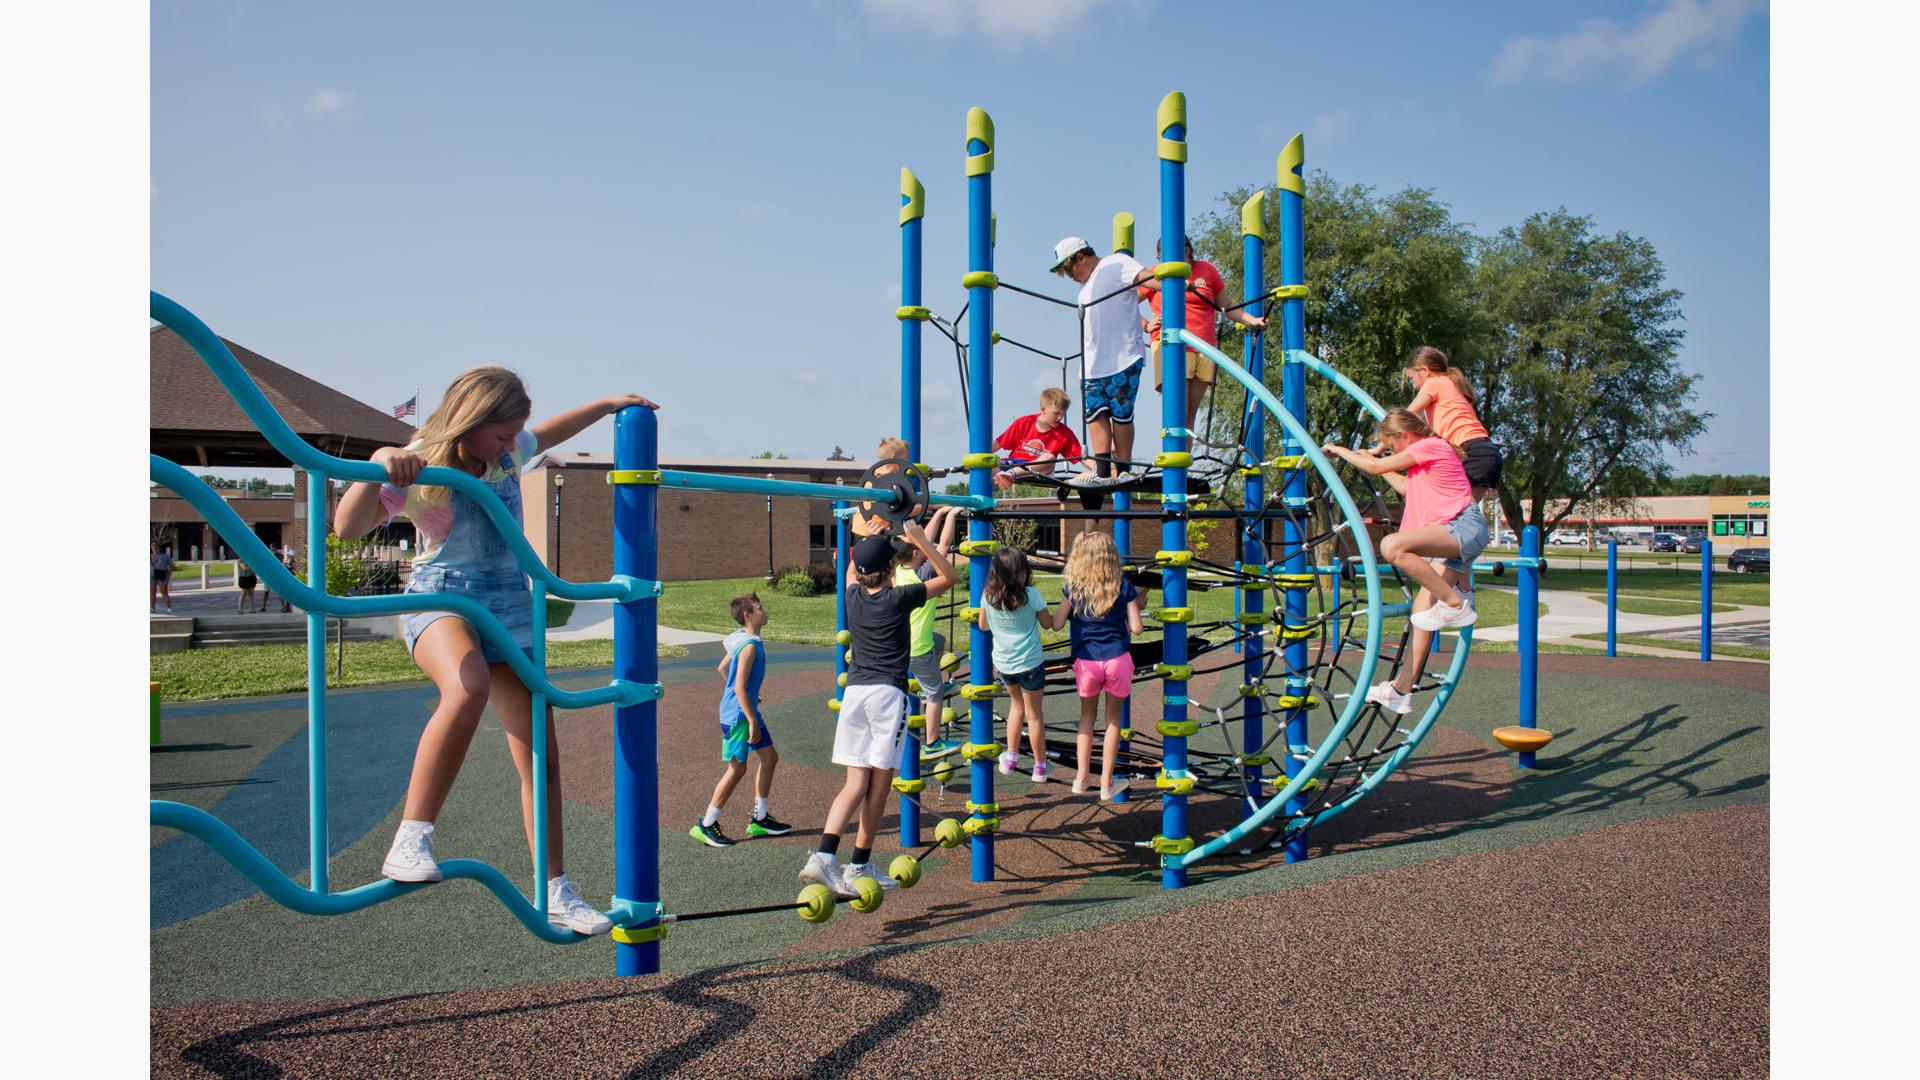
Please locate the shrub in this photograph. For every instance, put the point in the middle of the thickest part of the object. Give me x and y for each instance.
(796, 583)
(824, 577)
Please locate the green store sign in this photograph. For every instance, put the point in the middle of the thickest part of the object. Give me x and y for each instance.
(1757, 504)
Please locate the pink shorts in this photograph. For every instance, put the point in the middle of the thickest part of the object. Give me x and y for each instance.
(1115, 676)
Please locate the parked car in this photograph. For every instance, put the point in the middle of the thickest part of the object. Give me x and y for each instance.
(1567, 539)
(1664, 542)
(1750, 561)
(1507, 539)
(1692, 544)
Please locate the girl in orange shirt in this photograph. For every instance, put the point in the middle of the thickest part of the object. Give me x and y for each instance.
(1444, 399)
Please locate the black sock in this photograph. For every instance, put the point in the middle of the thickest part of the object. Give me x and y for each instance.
(829, 843)
(862, 854)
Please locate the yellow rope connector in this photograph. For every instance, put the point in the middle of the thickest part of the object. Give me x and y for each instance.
(1289, 292)
(1288, 463)
(1174, 672)
(1177, 728)
(914, 313)
(981, 751)
(1174, 614)
(1298, 633)
(1173, 459)
(980, 279)
(634, 476)
(1172, 269)
(909, 787)
(987, 460)
(1296, 701)
(1173, 785)
(1165, 846)
(641, 935)
(970, 548)
(984, 809)
(980, 691)
(1261, 758)
(1294, 581)
(1254, 618)
(913, 684)
(1173, 558)
(976, 826)
(916, 721)
(1126, 733)
(1252, 689)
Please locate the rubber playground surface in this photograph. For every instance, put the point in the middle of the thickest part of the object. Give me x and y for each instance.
(1605, 914)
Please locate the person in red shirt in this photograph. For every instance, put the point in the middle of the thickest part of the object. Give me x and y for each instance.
(1033, 444)
(1205, 287)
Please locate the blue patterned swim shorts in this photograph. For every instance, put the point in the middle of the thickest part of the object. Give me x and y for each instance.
(1113, 394)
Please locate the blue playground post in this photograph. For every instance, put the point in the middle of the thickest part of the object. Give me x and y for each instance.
(1170, 122)
(913, 208)
(1253, 250)
(1613, 591)
(317, 528)
(636, 734)
(1289, 169)
(1123, 501)
(842, 558)
(983, 812)
(1529, 633)
(1706, 599)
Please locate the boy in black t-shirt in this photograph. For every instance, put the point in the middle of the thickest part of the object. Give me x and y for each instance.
(873, 711)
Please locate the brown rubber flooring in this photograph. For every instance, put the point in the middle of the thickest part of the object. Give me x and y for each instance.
(1636, 950)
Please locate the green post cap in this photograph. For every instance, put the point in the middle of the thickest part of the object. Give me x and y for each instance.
(1253, 216)
(979, 126)
(1292, 158)
(913, 197)
(1173, 110)
(1123, 231)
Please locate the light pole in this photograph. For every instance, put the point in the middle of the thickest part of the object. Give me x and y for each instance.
(770, 580)
(559, 481)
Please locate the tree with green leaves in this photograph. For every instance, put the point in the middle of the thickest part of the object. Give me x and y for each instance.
(839, 455)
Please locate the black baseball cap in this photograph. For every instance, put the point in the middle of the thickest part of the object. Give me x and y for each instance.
(873, 554)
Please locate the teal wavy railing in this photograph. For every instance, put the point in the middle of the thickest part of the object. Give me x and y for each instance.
(1369, 565)
(313, 598)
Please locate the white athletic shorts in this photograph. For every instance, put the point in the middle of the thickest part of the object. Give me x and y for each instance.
(873, 723)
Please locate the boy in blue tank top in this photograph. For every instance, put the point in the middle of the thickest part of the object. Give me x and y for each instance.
(743, 728)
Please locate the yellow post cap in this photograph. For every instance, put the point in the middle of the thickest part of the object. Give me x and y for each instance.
(913, 197)
(1173, 110)
(1123, 231)
(1253, 219)
(1288, 165)
(979, 126)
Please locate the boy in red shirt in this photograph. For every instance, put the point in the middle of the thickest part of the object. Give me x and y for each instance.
(1204, 289)
(1040, 439)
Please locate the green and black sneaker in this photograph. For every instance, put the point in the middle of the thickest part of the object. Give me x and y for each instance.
(711, 835)
(768, 826)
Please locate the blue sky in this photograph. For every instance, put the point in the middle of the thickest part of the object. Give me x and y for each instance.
(702, 208)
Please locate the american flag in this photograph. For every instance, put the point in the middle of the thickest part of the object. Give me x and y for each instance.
(406, 408)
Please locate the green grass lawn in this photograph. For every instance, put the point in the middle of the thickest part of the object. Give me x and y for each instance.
(247, 670)
(1647, 605)
(1744, 651)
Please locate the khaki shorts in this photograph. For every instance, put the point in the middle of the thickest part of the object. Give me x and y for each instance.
(1198, 366)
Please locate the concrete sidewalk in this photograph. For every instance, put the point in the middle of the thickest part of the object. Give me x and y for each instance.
(593, 620)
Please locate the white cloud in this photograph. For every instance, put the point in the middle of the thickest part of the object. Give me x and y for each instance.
(329, 104)
(1018, 20)
(1330, 126)
(806, 383)
(1675, 31)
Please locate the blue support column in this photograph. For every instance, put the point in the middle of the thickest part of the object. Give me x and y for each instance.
(317, 527)
(1170, 123)
(1253, 549)
(636, 762)
(980, 282)
(913, 207)
(1289, 168)
(1706, 599)
(1613, 592)
(1529, 633)
(842, 558)
(1123, 545)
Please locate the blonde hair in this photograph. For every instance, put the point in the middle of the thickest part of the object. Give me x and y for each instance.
(1056, 397)
(1402, 422)
(1093, 575)
(892, 447)
(478, 397)
(1427, 358)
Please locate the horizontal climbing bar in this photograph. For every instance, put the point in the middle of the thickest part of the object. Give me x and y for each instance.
(800, 489)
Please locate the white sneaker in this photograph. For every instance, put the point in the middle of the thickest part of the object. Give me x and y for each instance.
(853, 872)
(1385, 696)
(411, 856)
(819, 871)
(566, 908)
(1119, 785)
(1438, 616)
(1008, 761)
(1040, 773)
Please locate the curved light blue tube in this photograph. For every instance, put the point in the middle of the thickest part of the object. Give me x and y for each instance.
(247, 395)
(267, 877)
(1315, 364)
(1374, 613)
(228, 524)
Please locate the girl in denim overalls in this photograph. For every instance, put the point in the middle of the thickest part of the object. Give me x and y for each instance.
(480, 428)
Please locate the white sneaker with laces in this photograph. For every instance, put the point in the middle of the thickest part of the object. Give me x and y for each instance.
(819, 871)
(566, 908)
(411, 856)
(1438, 616)
(1007, 762)
(1456, 617)
(853, 872)
(1385, 696)
(1040, 773)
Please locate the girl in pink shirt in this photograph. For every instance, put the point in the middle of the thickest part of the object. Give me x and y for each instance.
(1440, 520)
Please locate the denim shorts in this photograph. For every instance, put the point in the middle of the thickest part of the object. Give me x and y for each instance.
(1468, 529)
(510, 601)
(1112, 394)
(1026, 680)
